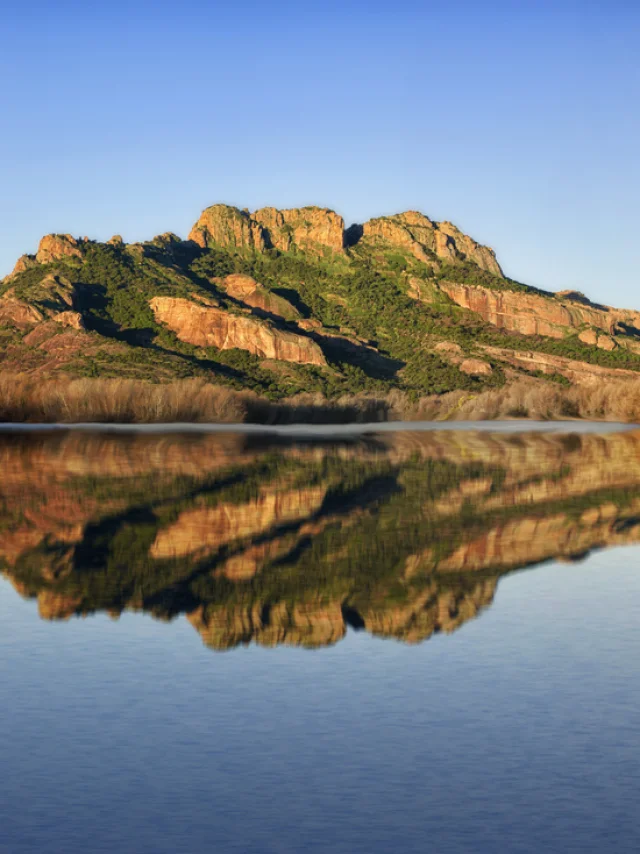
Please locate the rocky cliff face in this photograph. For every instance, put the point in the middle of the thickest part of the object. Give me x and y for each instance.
(206, 326)
(309, 229)
(534, 314)
(314, 230)
(428, 240)
(224, 225)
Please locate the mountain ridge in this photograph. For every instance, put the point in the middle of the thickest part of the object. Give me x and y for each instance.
(287, 302)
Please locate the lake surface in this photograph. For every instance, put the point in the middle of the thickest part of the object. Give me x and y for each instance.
(399, 641)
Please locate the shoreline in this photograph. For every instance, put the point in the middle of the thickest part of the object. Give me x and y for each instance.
(319, 430)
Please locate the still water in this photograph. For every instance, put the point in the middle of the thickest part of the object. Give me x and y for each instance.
(396, 642)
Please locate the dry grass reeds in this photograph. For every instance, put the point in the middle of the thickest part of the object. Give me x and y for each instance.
(25, 398)
(59, 399)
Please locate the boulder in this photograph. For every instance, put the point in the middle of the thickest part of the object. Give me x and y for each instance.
(606, 342)
(475, 367)
(589, 336)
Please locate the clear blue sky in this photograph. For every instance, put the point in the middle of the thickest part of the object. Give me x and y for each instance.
(519, 121)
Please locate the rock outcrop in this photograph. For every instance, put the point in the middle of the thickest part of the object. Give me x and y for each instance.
(309, 229)
(531, 313)
(24, 262)
(52, 247)
(251, 293)
(224, 225)
(55, 247)
(475, 367)
(207, 326)
(55, 301)
(16, 312)
(578, 373)
(428, 240)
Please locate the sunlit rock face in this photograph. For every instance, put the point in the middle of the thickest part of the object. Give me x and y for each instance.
(258, 540)
(224, 225)
(310, 229)
(532, 314)
(428, 240)
(207, 326)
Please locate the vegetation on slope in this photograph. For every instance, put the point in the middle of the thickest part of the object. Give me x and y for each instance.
(378, 339)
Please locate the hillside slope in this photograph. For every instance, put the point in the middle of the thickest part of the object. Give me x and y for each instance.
(288, 302)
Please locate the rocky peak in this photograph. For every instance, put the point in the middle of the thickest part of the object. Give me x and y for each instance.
(54, 247)
(428, 240)
(309, 229)
(224, 225)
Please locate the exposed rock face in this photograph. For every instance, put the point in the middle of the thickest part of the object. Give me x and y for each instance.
(428, 240)
(224, 225)
(15, 312)
(56, 298)
(309, 229)
(207, 326)
(248, 291)
(69, 318)
(54, 247)
(589, 336)
(24, 262)
(580, 373)
(534, 314)
(452, 353)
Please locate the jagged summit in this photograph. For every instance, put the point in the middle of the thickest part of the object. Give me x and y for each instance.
(316, 229)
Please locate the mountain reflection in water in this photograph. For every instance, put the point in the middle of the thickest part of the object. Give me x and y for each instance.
(257, 539)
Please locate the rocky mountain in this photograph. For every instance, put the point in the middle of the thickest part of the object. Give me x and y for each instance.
(258, 540)
(284, 302)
